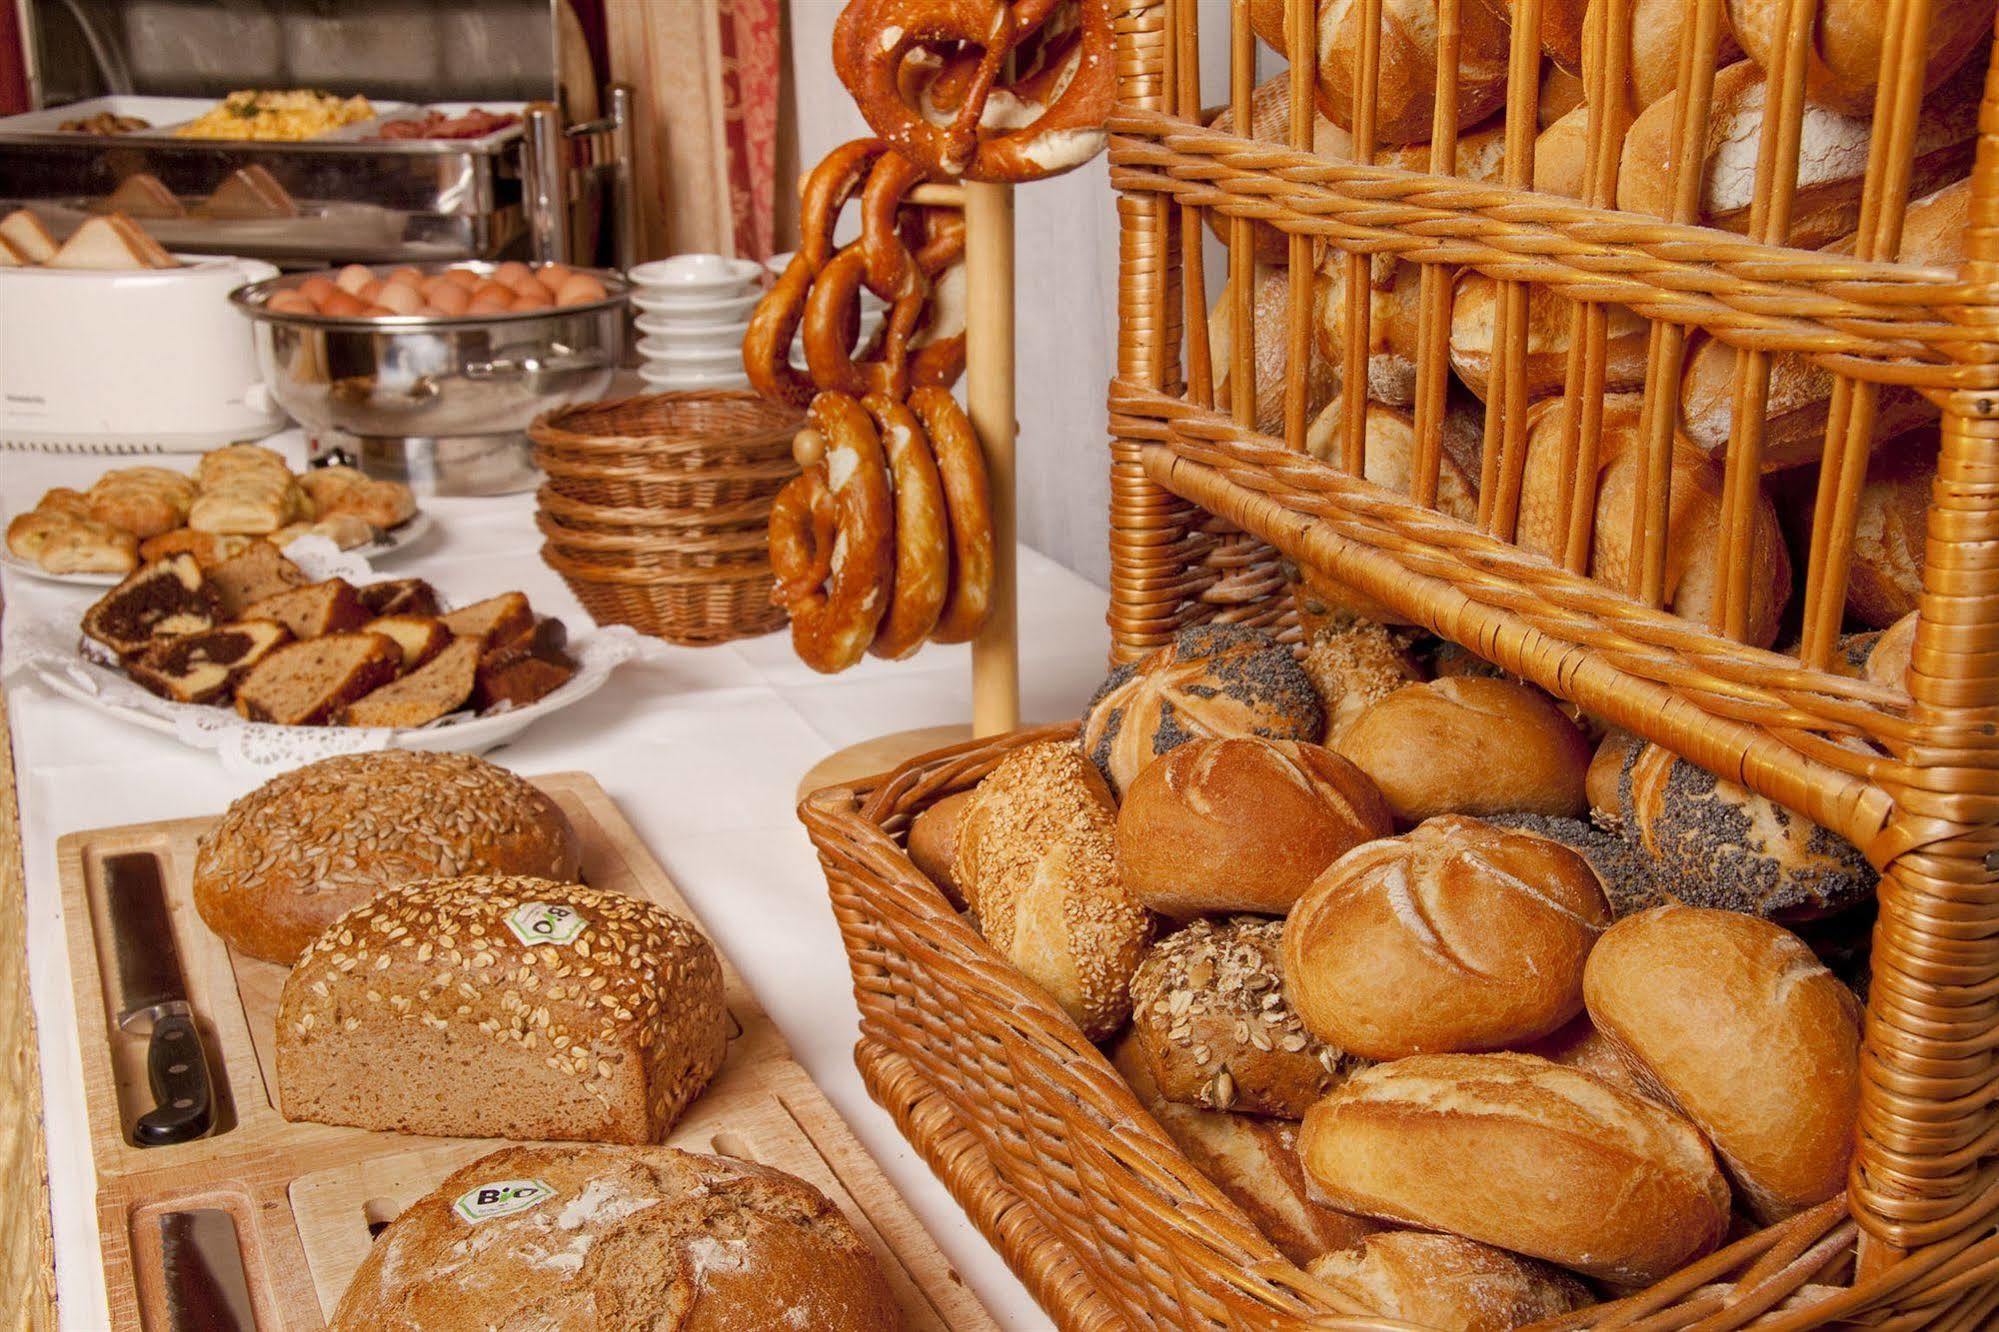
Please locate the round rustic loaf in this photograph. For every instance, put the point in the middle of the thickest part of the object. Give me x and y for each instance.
(1212, 680)
(1447, 1281)
(1036, 853)
(1241, 824)
(289, 858)
(1513, 1150)
(1457, 936)
(620, 1238)
(1470, 745)
(1210, 1018)
(1752, 1038)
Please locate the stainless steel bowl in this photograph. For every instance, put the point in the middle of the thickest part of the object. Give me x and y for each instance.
(442, 403)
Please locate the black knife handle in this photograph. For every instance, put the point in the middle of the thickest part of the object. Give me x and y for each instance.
(184, 1104)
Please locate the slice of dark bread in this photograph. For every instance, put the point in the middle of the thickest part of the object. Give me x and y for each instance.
(260, 571)
(399, 596)
(165, 598)
(308, 683)
(495, 620)
(524, 669)
(330, 607)
(434, 690)
(204, 667)
(421, 637)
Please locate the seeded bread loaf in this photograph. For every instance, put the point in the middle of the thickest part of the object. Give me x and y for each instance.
(618, 1239)
(502, 1008)
(303, 848)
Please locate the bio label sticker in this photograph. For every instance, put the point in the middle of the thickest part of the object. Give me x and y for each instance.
(502, 1198)
(546, 923)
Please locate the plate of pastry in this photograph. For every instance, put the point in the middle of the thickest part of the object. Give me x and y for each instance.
(276, 661)
(235, 497)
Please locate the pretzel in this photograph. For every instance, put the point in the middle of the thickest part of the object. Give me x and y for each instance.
(825, 194)
(767, 343)
(937, 348)
(833, 623)
(1048, 124)
(830, 312)
(961, 467)
(891, 268)
(922, 539)
(801, 535)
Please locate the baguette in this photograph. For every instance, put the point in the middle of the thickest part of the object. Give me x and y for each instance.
(1843, 59)
(1832, 162)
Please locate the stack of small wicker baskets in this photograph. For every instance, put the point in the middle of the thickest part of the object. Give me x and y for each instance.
(655, 510)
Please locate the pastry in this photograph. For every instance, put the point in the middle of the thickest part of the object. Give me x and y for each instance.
(524, 669)
(308, 683)
(84, 545)
(160, 600)
(208, 548)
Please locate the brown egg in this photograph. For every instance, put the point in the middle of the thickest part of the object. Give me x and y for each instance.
(554, 275)
(432, 283)
(399, 297)
(378, 312)
(492, 289)
(429, 311)
(527, 284)
(580, 289)
(353, 278)
(316, 288)
(409, 277)
(489, 303)
(534, 300)
(450, 298)
(464, 277)
(290, 302)
(510, 272)
(343, 303)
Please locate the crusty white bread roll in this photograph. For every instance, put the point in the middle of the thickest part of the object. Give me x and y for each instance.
(1241, 824)
(1035, 847)
(1522, 1153)
(1210, 1017)
(1718, 844)
(1353, 664)
(1253, 1161)
(1832, 161)
(1561, 93)
(1843, 58)
(1888, 663)
(1470, 745)
(1652, 64)
(1407, 94)
(1891, 528)
(1449, 1282)
(1561, 29)
(1606, 770)
(1693, 550)
(1475, 332)
(1581, 1045)
(1800, 393)
(1272, 305)
(1748, 1034)
(1457, 936)
(933, 844)
(1561, 153)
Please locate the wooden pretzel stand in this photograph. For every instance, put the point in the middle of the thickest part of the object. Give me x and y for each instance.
(989, 402)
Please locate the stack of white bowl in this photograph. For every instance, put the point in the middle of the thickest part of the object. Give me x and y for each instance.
(694, 310)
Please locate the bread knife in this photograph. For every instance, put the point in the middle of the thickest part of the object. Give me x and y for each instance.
(152, 990)
(207, 1289)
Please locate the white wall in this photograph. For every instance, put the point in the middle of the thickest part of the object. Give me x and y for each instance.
(1066, 260)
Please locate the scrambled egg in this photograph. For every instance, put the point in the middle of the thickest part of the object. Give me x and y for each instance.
(288, 116)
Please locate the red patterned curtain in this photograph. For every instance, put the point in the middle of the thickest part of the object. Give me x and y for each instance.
(750, 78)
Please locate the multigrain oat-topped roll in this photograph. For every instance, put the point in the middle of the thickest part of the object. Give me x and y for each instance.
(619, 1240)
(302, 848)
(502, 1008)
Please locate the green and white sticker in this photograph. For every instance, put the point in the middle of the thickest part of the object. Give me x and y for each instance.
(546, 923)
(501, 1198)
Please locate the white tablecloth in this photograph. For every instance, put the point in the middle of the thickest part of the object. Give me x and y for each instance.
(701, 748)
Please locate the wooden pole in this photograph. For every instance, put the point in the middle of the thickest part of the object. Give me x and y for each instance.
(989, 400)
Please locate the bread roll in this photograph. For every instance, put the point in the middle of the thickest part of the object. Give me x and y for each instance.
(603, 1237)
(1211, 680)
(1580, 1045)
(1561, 28)
(1693, 521)
(1253, 1161)
(1389, 456)
(1832, 161)
(1475, 332)
(500, 1007)
(1718, 844)
(1353, 665)
(1752, 1038)
(1800, 393)
(1406, 94)
(1210, 1018)
(1469, 745)
(1891, 529)
(1273, 352)
(1561, 93)
(310, 845)
(1457, 936)
(1889, 662)
(1270, 121)
(933, 844)
(1631, 882)
(1449, 1283)
(1561, 156)
(1035, 851)
(1606, 770)
(1652, 60)
(1241, 824)
(1515, 1151)
(1843, 58)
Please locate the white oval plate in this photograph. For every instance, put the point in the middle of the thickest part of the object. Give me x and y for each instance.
(671, 309)
(385, 544)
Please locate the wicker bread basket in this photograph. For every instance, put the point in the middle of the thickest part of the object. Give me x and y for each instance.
(1026, 1121)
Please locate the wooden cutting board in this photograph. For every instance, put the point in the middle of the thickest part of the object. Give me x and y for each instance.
(287, 1185)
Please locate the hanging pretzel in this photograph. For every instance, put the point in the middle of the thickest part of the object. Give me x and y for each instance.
(830, 312)
(961, 468)
(922, 539)
(801, 536)
(833, 623)
(1024, 131)
(937, 348)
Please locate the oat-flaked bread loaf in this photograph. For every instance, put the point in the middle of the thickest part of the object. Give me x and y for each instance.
(303, 848)
(502, 1008)
(618, 1239)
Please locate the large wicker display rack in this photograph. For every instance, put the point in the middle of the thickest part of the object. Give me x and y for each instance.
(1026, 1121)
